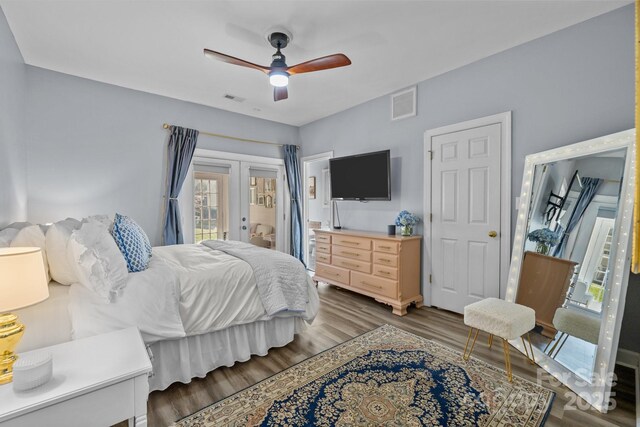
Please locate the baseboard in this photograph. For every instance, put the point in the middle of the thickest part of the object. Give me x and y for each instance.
(631, 359)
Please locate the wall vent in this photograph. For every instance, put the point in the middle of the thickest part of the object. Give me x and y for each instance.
(403, 104)
(234, 98)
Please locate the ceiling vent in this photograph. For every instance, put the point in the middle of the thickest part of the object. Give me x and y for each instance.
(234, 98)
(403, 104)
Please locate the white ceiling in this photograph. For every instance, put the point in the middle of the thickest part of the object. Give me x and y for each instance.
(156, 46)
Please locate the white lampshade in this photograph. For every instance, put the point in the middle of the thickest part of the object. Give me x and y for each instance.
(23, 280)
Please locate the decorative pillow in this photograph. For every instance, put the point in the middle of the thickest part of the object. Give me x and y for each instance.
(106, 220)
(56, 241)
(132, 242)
(6, 236)
(32, 236)
(263, 229)
(96, 259)
(19, 225)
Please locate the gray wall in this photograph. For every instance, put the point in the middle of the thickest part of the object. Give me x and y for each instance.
(13, 159)
(99, 148)
(567, 87)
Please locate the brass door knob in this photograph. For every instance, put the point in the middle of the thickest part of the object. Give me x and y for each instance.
(493, 233)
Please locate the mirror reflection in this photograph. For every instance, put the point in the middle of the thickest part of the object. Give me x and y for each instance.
(564, 274)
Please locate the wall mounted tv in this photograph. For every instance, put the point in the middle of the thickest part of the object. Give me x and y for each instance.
(361, 177)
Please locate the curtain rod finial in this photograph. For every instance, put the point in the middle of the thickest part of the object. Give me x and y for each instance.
(165, 126)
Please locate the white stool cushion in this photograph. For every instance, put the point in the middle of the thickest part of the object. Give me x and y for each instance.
(577, 324)
(504, 319)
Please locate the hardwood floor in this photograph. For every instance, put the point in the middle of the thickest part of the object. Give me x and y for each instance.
(344, 315)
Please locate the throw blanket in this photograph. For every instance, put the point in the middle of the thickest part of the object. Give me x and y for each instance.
(280, 278)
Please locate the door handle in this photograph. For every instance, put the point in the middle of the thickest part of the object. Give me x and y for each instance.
(493, 233)
(244, 227)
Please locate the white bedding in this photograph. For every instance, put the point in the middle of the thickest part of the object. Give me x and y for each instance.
(187, 290)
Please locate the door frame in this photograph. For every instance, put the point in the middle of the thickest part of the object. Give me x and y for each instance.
(327, 155)
(504, 119)
(234, 162)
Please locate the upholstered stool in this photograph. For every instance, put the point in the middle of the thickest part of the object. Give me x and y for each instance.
(504, 319)
(575, 323)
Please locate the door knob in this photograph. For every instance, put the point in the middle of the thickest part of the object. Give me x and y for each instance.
(244, 219)
(493, 233)
(244, 227)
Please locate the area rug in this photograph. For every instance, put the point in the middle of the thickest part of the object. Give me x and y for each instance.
(386, 377)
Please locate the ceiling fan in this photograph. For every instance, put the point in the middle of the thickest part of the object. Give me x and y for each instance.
(278, 71)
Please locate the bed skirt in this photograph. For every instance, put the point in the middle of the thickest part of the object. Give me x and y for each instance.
(193, 357)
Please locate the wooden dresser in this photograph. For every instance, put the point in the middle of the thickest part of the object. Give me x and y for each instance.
(384, 267)
(544, 281)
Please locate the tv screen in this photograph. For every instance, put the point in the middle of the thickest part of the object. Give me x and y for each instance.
(361, 177)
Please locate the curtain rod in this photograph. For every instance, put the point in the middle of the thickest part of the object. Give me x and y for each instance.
(235, 138)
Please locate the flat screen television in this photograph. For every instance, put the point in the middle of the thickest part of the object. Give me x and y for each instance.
(361, 177)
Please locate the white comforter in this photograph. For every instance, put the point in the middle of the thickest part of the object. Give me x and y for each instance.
(187, 290)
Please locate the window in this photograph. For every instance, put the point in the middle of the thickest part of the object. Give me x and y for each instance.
(209, 209)
(596, 262)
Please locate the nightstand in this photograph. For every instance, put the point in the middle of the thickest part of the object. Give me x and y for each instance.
(97, 381)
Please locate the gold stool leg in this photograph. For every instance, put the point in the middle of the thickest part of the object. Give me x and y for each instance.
(490, 341)
(466, 356)
(533, 357)
(507, 359)
(555, 345)
(566, 337)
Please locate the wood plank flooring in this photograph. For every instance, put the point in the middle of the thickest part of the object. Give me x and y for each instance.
(344, 315)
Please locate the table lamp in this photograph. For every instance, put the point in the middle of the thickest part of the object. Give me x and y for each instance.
(23, 282)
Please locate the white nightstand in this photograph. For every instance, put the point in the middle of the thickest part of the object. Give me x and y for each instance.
(97, 381)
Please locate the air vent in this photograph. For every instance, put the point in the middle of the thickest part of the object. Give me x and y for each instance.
(234, 98)
(403, 104)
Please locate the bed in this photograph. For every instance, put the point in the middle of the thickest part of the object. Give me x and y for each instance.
(197, 308)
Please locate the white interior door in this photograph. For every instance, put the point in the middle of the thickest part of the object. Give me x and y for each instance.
(466, 223)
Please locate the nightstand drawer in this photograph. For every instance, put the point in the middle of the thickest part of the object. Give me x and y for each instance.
(351, 253)
(323, 238)
(386, 272)
(385, 259)
(385, 246)
(352, 242)
(352, 264)
(332, 273)
(323, 258)
(384, 287)
(323, 248)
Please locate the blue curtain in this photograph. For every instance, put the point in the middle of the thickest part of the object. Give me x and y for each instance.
(589, 188)
(182, 144)
(295, 189)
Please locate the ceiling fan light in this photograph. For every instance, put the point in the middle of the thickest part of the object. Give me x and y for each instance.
(279, 78)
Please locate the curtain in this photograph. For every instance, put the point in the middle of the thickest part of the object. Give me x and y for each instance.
(292, 168)
(589, 188)
(182, 144)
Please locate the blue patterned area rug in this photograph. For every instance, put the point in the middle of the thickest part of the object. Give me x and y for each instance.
(386, 377)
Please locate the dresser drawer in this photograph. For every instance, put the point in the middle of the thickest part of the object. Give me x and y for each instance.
(385, 246)
(351, 253)
(386, 272)
(378, 285)
(352, 242)
(385, 259)
(352, 264)
(335, 274)
(323, 248)
(323, 238)
(323, 258)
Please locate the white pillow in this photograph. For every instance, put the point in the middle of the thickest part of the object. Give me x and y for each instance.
(56, 242)
(96, 259)
(6, 236)
(32, 236)
(263, 230)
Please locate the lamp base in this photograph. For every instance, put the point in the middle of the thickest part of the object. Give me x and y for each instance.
(11, 331)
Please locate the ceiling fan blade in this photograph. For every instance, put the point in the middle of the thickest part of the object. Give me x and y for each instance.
(280, 93)
(235, 61)
(318, 64)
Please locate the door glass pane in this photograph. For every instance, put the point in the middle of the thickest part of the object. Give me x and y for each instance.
(262, 208)
(210, 206)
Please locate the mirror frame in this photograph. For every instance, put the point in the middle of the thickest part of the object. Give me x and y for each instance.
(597, 393)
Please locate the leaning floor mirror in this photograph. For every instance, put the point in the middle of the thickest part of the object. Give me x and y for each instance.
(570, 259)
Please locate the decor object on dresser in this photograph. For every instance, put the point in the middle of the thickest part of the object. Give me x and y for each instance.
(384, 267)
(544, 239)
(22, 283)
(406, 221)
(384, 377)
(100, 380)
(543, 287)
